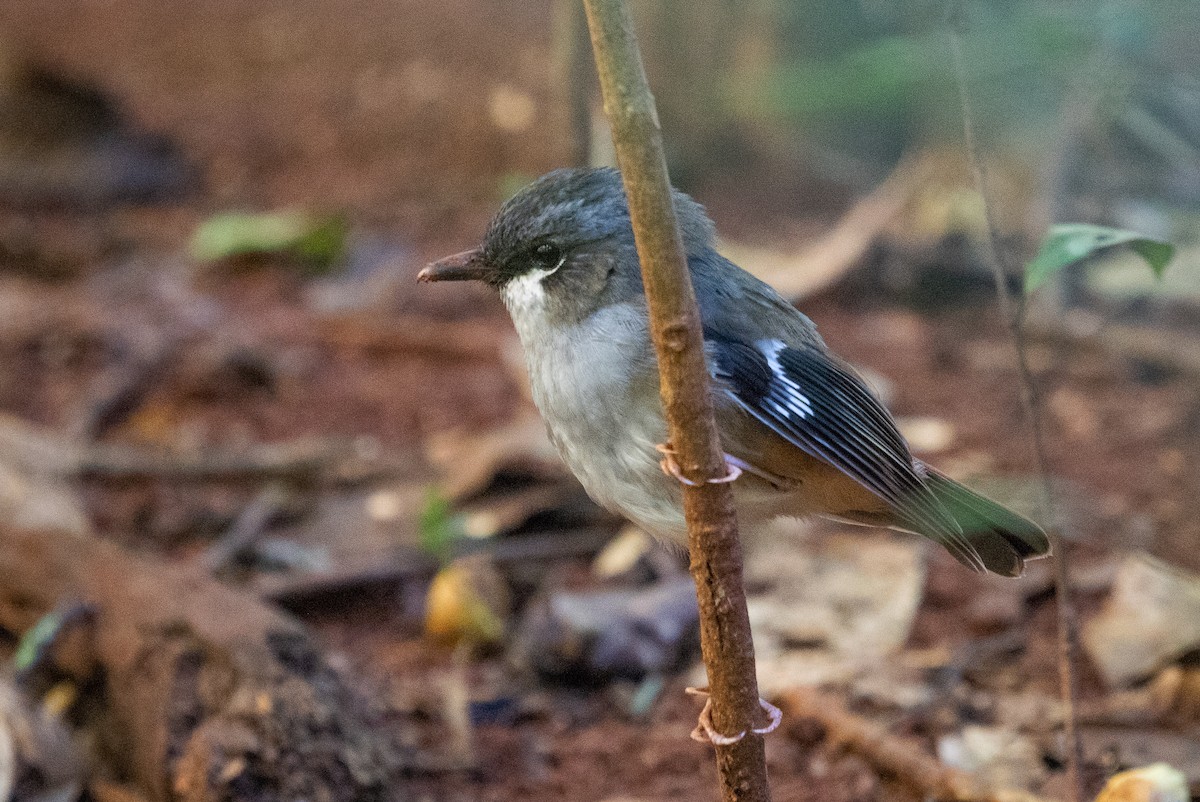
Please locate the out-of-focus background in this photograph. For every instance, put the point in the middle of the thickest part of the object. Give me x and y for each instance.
(289, 521)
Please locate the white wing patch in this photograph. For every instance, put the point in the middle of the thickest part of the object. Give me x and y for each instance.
(785, 395)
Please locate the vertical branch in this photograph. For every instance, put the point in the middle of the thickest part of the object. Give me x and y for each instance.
(716, 556)
(1013, 315)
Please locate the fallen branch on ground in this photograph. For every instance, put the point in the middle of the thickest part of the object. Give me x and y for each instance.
(208, 693)
(299, 461)
(891, 754)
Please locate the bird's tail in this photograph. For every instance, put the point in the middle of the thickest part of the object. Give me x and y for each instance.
(1000, 539)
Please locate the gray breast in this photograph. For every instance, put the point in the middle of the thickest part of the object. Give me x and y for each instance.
(596, 385)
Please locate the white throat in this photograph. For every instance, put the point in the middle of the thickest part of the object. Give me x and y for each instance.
(525, 296)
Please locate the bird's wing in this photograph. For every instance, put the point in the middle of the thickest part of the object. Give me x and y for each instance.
(819, 405)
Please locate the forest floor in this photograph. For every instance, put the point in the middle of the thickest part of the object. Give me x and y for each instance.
(112, 333)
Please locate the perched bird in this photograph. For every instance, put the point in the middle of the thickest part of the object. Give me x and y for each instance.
(804, 432)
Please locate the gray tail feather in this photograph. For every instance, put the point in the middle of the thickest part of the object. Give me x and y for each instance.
(1001, 539)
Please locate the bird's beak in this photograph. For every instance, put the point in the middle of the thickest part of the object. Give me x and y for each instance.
(465, 266)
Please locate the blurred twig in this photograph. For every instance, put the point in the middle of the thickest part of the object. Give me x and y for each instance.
(1013, 316)
(249, 526)
(716, 555)
(574, 70)
(298, 461)
(824, 262)
(400, 565)
(126, 388)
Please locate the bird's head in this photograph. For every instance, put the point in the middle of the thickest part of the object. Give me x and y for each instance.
(564, 245)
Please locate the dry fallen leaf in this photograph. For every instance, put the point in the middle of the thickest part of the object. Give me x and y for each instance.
(622, 552)
(470, 461)
(511, 109)
(1157, 782)
(35, 466)
(1151, 617)
(823, 612)
(626, 632)
(1000, 757)
(1125, 747)
(927, 435)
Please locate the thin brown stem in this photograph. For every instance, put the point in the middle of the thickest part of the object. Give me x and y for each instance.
(575, 76)
(1014, 315)
(716, 555)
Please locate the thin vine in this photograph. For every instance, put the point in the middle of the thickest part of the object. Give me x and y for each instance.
(1013, 314)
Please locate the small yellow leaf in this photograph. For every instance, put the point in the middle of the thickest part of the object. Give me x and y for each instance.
(59, 699)
(467, 602)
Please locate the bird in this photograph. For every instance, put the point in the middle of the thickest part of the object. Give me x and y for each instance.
(802, 433)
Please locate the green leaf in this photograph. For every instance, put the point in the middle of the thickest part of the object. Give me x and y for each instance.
(439, 528)
(317, 240)
(1069, 243)
(35, 641)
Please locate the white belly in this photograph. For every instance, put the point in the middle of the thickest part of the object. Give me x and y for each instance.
(596, 387)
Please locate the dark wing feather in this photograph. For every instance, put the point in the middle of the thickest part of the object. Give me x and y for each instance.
(1003, 539)
(823, 408)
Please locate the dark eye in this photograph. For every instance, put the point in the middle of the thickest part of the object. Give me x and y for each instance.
(547, 256)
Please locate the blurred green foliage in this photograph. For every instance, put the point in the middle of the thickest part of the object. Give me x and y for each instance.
(882, 74)
(1073, 243)
(440, 528)
(317, 241)
(37, 640)
(512, 182)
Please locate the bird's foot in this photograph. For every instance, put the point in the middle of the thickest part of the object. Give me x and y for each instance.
(776, 482)
(706, 733)
(671, 468)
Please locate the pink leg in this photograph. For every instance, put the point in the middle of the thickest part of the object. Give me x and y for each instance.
(706, 733)
(671, 468)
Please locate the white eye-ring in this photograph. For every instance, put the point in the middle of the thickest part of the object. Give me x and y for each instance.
(549, 257)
